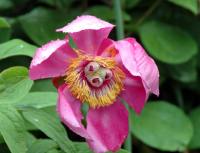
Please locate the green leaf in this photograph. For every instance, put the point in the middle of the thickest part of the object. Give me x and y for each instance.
(131, 3)
(14, 84)
(1, 139)
(108, 13)
(42, 146)
(5, 4)
(82, 147)
(19, 2)
(163, 126)
(4, 23)
(30, 139)
(41, 24)
(122, 151)
(50, 2)
(16, 47)
(194, 116)
(12, 129)
(55, 151)
(51, 126)
(167, 43)
(58, 3)
(191, 5)
(186, 72)
(38, 100)
(43, 85)
(5, 30)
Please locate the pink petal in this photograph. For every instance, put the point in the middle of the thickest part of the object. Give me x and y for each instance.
(134, 93)
(146, 66)
(69, 110)
(88, 32)
(51, 60)
(104, 48)
(108, 127)
(127, 56)
(138, 63)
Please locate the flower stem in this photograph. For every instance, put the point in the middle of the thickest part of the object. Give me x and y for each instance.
(120, 35)
(119, 19)
(128, 142)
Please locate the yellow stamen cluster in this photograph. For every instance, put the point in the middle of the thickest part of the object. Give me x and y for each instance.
(80, 88)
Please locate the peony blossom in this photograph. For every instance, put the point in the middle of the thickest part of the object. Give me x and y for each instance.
(100, 72)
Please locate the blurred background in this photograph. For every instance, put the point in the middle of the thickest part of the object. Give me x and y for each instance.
(169, 30)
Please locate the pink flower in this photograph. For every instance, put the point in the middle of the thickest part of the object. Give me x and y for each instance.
(100, 72)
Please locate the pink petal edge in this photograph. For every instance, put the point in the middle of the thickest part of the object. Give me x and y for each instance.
(85, 22)
(88, 32)
(51, 60)
(69, 110)
(146, 66)
(133, 57)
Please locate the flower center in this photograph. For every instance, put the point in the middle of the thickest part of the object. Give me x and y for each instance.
(96, 75)
(95, 80)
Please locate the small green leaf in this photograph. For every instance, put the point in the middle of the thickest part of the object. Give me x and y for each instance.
(4, 23)
(163, 126)
(38, 100)
(72, 43)
(16, 47)
(167, 43)
(194, 116)
(5, 30)
(51, 126)
(14, 84)
(12, 129)
(191, 5)
(42, 146)
(41, 24)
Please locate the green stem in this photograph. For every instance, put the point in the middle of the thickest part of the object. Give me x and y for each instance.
(119, 19)
(128, 142)
(120, 35)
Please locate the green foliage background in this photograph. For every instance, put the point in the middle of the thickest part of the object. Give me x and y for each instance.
(168, 29)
